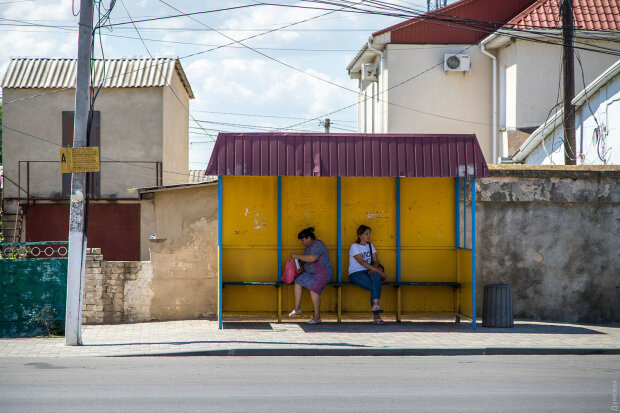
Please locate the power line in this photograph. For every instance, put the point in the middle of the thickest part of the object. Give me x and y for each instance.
(164, 77)
(48, 141)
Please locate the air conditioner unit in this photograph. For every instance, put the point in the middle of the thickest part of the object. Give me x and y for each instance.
(456, 62)
(369, 72)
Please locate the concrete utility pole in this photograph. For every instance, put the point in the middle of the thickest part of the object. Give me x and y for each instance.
(77, 240)
(568, 64)
(327, 125)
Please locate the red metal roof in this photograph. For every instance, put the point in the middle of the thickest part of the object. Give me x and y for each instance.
(340, 154)
(588, 15)
(462, 22)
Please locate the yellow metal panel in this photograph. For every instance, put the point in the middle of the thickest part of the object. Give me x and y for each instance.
(329, 299)
(437, 265)
(427, 299)
(399, 305)
(427, 214)
(279, 304)
(250, 229)
(250, 298)
(371, 202)
(309, 202)
(427, 211)
(250, 211)
(356, 299)
(250, 238)
(251, 264)
(464, 277)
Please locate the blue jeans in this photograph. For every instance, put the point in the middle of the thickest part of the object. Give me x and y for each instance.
(367, 281)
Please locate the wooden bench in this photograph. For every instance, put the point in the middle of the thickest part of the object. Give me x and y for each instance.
(339, 285)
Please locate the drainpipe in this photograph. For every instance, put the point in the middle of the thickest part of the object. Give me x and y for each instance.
(494, 100)
(381, 66)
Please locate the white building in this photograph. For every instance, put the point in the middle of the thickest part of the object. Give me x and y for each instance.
(505, 84)
(597, 127)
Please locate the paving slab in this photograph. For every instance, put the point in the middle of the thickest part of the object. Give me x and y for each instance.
(264, 338)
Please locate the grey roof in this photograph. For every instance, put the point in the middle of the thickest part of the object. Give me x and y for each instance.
(46, 73)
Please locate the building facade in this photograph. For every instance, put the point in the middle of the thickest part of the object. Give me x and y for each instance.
(140, 123)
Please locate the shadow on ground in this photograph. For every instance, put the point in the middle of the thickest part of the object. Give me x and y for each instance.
(444, 327)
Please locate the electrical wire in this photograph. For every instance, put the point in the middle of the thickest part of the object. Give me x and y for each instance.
(161, 74)
(106, 158)
(599, 135)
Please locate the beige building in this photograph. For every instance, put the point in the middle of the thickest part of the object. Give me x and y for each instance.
(432, 75)
(140, 123)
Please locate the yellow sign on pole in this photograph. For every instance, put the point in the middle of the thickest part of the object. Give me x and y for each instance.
(78, 160)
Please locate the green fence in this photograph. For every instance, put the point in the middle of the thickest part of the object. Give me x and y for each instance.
(32, 275)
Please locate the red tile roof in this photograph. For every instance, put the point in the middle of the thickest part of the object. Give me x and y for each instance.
(346, 154)
(588, 15)
(462, 22)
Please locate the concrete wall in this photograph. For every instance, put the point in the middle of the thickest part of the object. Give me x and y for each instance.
(180, 281)
(439, 101)
(185, 260)
(147, 228)
(175, 133)
(554, 234)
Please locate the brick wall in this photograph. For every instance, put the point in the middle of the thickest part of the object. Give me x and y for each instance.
(115, 291)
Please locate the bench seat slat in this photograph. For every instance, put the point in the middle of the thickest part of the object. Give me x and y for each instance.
(395, 284)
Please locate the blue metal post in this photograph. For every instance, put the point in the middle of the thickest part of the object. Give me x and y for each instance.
(338, 202)
(220, 242)
(457, 213)
(279, 228)
(473, 249)
(465, 213)
(398, 228)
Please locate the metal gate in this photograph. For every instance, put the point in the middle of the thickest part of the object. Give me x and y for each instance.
(33, 278)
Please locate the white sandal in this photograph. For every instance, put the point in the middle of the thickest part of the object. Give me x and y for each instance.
(313, 321)
(294, 313)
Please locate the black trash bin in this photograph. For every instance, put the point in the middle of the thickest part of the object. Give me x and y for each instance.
(497, 308)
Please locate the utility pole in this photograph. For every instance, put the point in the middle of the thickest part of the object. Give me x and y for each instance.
(77, 239)
(568, 64)
(327, 124)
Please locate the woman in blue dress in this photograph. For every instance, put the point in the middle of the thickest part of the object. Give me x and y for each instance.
(317, 272)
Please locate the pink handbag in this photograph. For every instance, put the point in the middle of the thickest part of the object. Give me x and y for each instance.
(290, 272)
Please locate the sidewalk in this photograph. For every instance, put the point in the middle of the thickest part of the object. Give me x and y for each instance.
(202, 337)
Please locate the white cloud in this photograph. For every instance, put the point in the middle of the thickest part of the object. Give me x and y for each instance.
(258, 86)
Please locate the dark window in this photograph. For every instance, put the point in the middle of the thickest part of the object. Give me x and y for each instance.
(94, 178)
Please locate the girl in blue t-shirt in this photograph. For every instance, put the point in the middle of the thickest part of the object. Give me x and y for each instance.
(366, 271)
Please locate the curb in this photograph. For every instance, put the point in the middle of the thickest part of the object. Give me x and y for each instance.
(314, 352)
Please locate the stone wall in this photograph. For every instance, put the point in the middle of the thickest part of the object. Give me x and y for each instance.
(116, 291)
(554, 234)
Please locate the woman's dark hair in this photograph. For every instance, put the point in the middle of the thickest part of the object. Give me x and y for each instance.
(360, 230)
(308, 232)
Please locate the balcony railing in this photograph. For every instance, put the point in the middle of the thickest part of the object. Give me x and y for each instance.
(43, 180)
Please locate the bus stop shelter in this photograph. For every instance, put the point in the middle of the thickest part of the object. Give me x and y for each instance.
(416, 192)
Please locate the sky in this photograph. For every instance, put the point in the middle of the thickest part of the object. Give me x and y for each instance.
(293, 75)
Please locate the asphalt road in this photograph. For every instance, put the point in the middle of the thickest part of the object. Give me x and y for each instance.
(311, 384)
